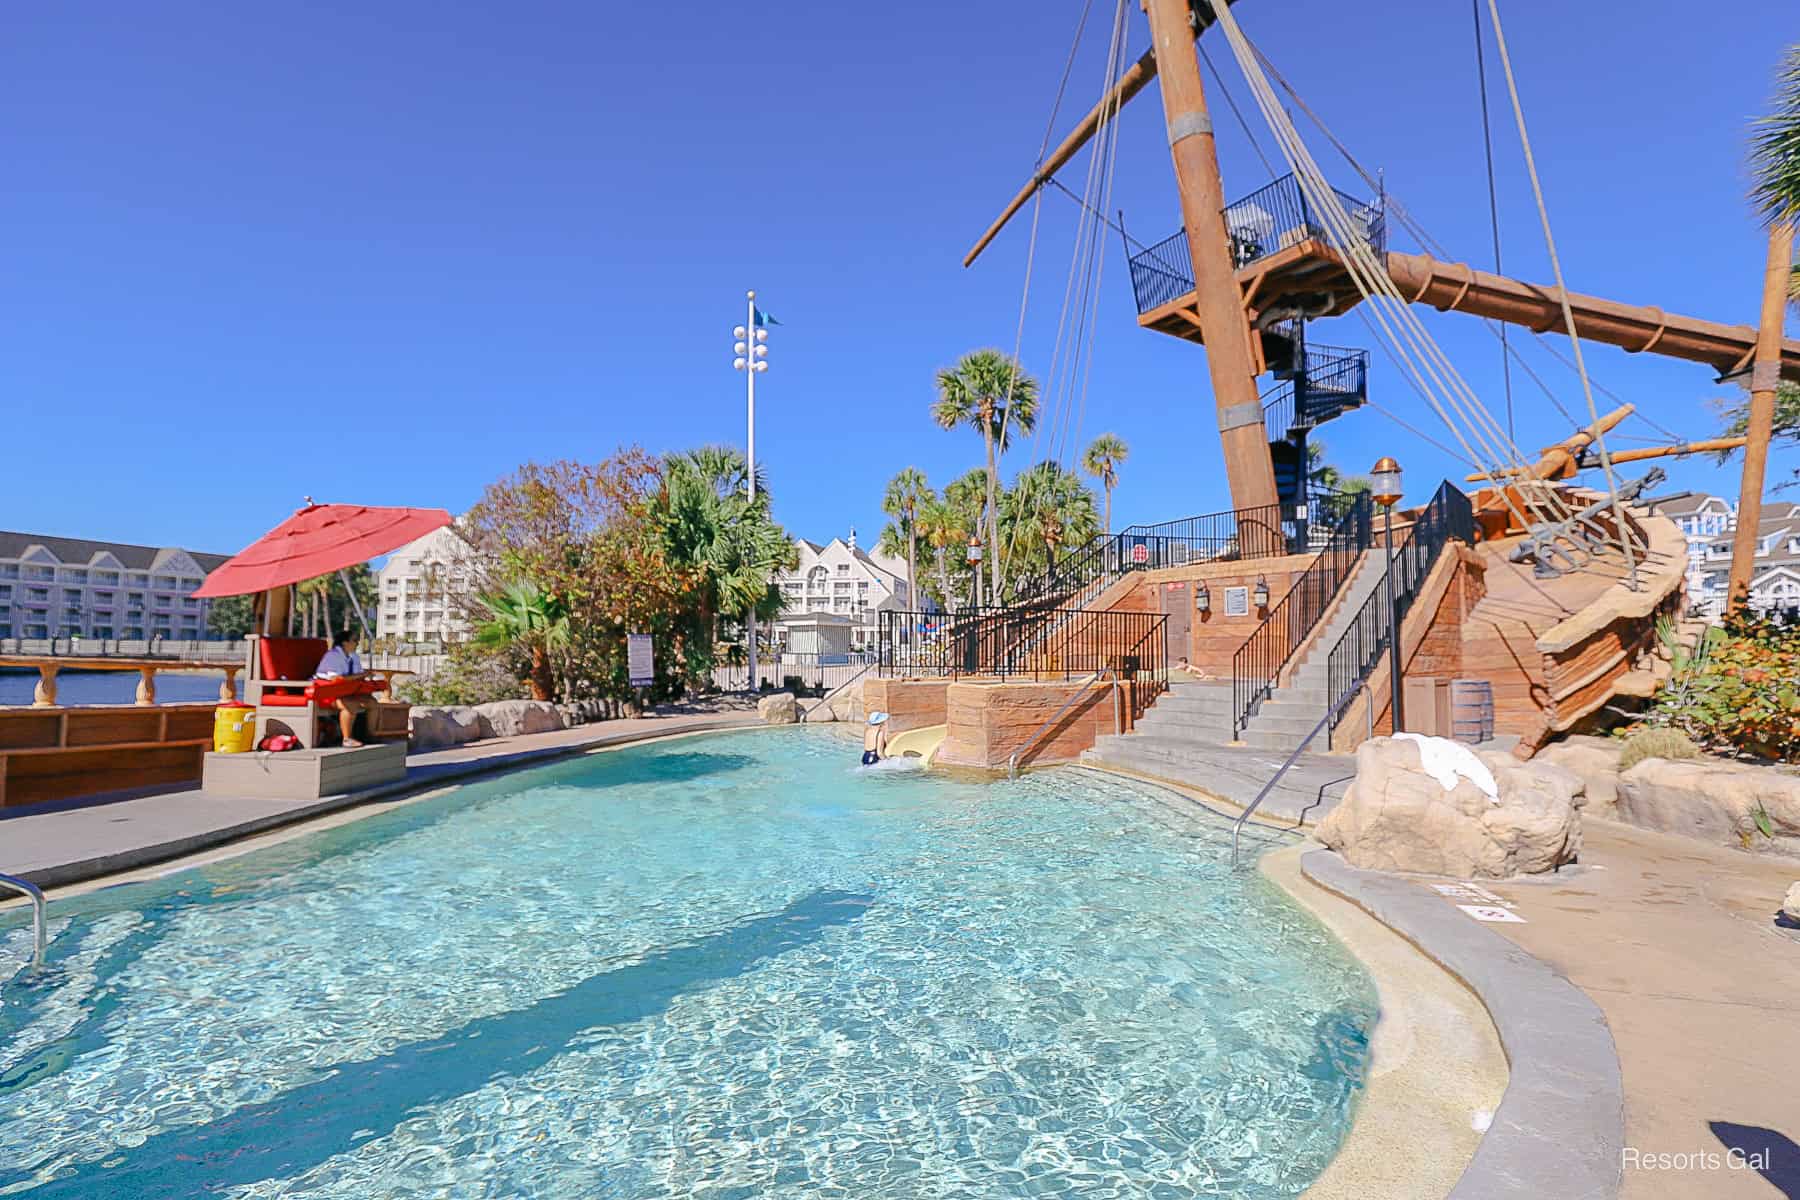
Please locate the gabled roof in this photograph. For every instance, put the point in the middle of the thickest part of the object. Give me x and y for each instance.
(79, 552)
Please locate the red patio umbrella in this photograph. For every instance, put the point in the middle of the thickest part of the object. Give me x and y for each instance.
(317, 540)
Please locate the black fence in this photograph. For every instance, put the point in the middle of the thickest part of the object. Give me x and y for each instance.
(1161, 273)
(1449, 517)
(1280, 215)
(1028, 643)
(1259, 660)
(1237, 534)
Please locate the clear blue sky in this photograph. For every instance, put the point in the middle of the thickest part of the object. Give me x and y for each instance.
(386, 253)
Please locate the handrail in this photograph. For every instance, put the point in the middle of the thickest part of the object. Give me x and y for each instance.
(39, 921)
(1293, 756)
(826, 698)
(1012, 763)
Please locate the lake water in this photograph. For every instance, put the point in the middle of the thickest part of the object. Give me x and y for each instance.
(111, 687)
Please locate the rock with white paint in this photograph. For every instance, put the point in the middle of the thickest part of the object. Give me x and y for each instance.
(513, 718)
(1397, 817)
(778, 708)
(1728, 804)
(1790, 908)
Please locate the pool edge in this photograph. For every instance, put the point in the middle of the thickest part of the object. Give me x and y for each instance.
(225, 841)
(1559, 1129)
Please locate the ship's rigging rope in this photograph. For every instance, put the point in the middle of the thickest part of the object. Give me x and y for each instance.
(1537, 189)
(1487, 145)
(1423, 360)
(1400, 212)
(1063, 398)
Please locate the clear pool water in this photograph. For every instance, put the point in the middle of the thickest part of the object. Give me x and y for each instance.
(730, 966)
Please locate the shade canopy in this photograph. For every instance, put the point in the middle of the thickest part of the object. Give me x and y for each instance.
(317, 540)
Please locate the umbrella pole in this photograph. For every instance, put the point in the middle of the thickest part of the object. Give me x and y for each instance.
(362, 618)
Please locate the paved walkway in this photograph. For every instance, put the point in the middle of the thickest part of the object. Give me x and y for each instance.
(67, 842)
(1676, 942)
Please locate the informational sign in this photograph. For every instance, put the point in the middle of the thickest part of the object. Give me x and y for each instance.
(1140, 553)
(640, 659)
(1237, 601)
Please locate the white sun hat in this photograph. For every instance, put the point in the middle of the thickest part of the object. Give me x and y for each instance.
(876, 718)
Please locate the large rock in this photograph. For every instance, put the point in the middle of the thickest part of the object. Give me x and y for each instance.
(434, 726)
(1790, 907)
(1596, 760)
(1714, 801)
(511, 718)
(1395, 817)
(778, 708)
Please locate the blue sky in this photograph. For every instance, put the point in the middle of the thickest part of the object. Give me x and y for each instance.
(386, 253)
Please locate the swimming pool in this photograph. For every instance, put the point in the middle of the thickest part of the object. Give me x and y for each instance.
(729, 966)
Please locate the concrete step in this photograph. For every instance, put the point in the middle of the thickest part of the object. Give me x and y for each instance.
(1198, 705)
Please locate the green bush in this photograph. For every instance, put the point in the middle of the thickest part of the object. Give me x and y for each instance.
(471, 675)
(1738, 691)
(1656, 743)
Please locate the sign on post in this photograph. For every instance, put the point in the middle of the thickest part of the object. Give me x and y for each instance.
(640, 659)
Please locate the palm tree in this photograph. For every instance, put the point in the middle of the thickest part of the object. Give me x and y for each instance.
(315, 593)
(1051, 508)
(1775, 153)
(522, 615)
(988, 390)
(730, 544)
(906, 492)
(945, 529)
(1101, 460)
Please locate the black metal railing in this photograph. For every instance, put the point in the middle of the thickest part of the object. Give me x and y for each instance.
(1259, 660)
(1213, 537)
(1162, 273)
(1029, 643)
(1279, 411)
(1449, 517)
(1280, 215)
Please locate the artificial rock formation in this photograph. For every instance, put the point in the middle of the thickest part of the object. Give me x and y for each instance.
(1395, 817)
(1596, 760)
(1790, 908)
(434, 726)
(778, 708)
(846, 704)
(1724, 803)
(511, 718)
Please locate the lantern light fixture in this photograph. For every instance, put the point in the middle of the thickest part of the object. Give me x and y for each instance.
(1261, 594)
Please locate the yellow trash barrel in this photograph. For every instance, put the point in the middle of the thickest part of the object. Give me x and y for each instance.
(234, 728)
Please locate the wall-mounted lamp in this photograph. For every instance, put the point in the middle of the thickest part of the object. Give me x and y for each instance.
(1202, 599)
(1261, 594)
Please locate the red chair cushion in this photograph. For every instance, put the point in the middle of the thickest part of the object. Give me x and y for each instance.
(286, 699)
(290, 658)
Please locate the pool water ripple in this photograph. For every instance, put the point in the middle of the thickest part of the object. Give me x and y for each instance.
(719, 967)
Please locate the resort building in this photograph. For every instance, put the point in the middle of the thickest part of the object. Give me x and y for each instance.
(423, 589)
(833, 596)
(58, 587)
(1709, 523)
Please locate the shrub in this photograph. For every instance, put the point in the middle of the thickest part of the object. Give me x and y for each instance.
(471, 675)
(1656, 743)
(1738, 692)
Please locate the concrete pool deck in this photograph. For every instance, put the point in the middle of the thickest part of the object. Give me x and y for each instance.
(62, 843)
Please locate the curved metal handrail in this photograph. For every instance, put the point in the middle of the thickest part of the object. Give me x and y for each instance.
(1012, 763)
(39, 920)
(1331, 711)
(826, 698)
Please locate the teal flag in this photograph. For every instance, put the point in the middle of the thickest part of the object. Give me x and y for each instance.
(763, 318)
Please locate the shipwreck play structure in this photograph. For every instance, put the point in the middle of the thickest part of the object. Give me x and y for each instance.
(1517, 610)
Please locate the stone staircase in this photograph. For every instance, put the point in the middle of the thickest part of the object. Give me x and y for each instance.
(1199, 714)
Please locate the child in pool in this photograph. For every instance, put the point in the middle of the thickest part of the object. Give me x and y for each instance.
(874, 739)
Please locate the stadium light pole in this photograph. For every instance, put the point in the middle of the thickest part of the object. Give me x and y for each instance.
(751, 351)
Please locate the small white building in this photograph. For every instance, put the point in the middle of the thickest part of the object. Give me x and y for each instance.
(423, 589)
(57, 587)
(1709, 523)
(841, 580)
